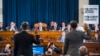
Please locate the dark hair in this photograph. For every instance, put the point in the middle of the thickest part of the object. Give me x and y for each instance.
(37, 36)
(24, 25)
(73, 24)
(9, 47)
(83, 51)
(50, 44)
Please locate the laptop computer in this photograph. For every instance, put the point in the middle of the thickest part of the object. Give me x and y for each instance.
(38, 50)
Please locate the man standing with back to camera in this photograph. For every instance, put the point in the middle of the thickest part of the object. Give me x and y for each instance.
(23, 42)
(73, 41)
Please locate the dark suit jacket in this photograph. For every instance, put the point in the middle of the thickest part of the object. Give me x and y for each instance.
(4, 51)
(23, 44)
(91, 26)
(1, 29)
(73, 40)
(52, 28)
(8, 29)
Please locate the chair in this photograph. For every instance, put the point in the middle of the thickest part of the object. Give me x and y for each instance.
(44, 25)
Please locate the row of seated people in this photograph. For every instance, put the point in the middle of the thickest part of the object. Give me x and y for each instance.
(52, 48)
(49, 49)
(38, 26)
(53, 26)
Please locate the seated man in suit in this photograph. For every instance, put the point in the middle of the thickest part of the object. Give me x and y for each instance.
(94, 27)
(12, 27)
(55, 27)
(41, 28)
(68, 28)
(1, 26)
(51, 25)
(87, 30)
(63, 27)
(91, 26)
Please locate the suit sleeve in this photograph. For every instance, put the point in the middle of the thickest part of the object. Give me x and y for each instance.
(15, 46)
(85, 36)
(35, 41)
(65, 47)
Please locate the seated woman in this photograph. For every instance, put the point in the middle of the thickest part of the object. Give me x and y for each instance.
(7, 49)
(52, 49)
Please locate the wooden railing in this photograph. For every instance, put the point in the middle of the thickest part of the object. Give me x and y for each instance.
(45, 35)
(93, 48)
(5, 54)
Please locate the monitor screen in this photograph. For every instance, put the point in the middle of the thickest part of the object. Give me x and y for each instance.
(38, 50)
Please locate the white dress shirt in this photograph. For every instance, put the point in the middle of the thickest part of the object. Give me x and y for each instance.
(12, 29)
(40, 28)
(63, 28)
(80, 28)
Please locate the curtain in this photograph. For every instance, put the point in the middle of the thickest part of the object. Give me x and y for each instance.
(95, 2)
(34, 11)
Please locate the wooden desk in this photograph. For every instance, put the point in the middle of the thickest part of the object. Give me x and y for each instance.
(45, 35)
(92, 34)
(93, 48)
(6, 35)
(5, 54)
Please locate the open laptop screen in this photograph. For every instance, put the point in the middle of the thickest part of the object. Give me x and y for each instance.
(38, 50)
